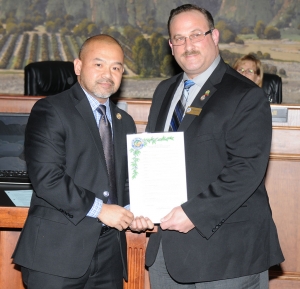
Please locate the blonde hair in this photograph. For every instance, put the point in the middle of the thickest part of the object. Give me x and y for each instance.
(259, 68)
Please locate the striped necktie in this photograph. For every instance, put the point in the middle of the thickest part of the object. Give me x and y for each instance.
(108, 148)
(180, 106)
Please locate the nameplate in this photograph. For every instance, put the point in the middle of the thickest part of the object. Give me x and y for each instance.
(193, 110)
(279, 114)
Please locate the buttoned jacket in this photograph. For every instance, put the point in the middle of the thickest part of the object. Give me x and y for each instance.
(67, 168)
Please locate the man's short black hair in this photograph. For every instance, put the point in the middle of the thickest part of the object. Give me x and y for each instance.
(190, 7)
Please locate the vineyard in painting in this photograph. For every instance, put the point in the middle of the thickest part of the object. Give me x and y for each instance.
(21, 49)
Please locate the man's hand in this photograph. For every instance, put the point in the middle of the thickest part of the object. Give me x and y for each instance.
(141, 224)
(115, 216)
(177, 220)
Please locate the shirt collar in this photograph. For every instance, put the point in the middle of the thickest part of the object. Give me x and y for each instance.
(94, 102)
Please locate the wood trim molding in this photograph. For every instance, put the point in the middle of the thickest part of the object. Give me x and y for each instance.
(286, 127)
(289, 106)
(20, 97)
(294, 276)
(145, 101)
(284, 157)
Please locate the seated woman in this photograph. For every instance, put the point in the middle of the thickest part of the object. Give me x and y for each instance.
(251, 67)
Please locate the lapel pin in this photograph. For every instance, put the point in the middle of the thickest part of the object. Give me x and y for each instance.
(207, 92)
(119, 116)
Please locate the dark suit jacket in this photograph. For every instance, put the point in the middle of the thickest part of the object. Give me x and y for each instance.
(67, 168)
(227, 150)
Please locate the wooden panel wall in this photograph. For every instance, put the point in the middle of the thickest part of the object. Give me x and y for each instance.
(283, 186)
(10, 274)
(11, 220)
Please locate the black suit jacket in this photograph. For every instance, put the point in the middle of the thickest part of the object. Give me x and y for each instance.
(67, 168)
(227, 150)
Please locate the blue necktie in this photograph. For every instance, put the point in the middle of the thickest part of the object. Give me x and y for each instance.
(180, 106)
(108, 148)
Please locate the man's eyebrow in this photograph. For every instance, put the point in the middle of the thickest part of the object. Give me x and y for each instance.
(102, 60)
(99, 59)
(193, 31)
(118, 63)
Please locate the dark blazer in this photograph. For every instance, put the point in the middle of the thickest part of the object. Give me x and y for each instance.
(227, 150)
(67, 168)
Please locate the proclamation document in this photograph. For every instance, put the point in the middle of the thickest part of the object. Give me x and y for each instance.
(157, 173)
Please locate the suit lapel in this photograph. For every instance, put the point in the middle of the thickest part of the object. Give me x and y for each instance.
(198, 103)
(83, 107)
(206, 92)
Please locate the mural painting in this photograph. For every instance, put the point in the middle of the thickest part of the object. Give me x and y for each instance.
(38, 30)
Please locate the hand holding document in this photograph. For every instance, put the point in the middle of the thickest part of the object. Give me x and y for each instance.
(157, 173)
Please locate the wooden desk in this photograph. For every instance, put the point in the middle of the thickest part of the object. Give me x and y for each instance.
(17, 103)
(282, 182)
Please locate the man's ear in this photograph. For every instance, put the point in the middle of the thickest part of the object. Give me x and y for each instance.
(171, 47)
(215, 34)
(77, 66)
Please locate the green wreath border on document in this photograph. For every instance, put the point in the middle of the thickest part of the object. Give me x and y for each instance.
(137, 144)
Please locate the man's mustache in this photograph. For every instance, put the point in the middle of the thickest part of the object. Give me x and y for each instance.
(191, 52)
(105, 80)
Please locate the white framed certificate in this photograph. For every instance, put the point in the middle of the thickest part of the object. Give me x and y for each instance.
(157, 173)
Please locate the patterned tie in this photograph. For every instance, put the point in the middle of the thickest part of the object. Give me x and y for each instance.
(107, 143)
(180, 106)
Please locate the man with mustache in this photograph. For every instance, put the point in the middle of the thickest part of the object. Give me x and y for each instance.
(75, 151)
(224, 235)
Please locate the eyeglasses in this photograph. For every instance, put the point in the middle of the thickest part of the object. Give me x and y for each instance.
(246, 71)
(196, 37)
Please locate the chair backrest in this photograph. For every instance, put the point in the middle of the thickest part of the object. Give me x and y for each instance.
(272, 85)
(48, 77)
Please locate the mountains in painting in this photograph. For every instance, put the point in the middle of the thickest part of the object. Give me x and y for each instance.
(137, 12)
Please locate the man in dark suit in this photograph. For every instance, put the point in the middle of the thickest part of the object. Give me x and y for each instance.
(224, 235)
(74, 234)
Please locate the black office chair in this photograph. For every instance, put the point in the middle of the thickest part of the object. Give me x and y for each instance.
(48, 77)
(272, 85)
